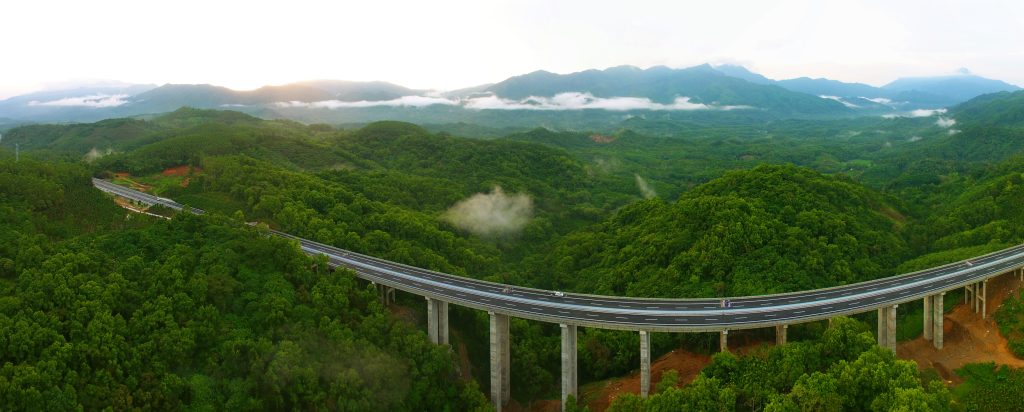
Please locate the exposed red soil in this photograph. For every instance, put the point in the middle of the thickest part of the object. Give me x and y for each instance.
(967, 338)
(180, 171)
(598, 138)
(688, 364)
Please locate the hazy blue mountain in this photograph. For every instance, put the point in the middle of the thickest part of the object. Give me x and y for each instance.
(349, 91)
(741, 72)
(829, 87)
(956, 88)
(74, 104)
(701, 84)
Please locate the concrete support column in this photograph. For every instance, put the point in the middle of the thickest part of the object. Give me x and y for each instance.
(887, 327)
(780, 334)
(723, 340)
(937, 313)
(984, 298)
(927, 327)
(645, 363)
(977, 298)
(882, 319)
(569, 370)
(499, 360)
(890, 324)
(437, 321)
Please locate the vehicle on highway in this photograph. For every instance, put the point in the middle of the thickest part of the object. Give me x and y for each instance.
(559, 294)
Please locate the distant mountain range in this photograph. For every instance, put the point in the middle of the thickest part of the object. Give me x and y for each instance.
(614, 93)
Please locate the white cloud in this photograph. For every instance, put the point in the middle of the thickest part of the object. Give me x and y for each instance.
(917, 113)
(945, 122)
(914, 138)
(94, 100)
(879, 100)
(840, 100)
(926, 112)
(645, 189)
(404, 101)
(561, 101)
(580, 101)
(492, 214)
(953, 131)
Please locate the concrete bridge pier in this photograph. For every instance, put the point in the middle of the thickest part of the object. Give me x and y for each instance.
(645, 363)
(723, 340)
(887, 327)
(500, 389)
(437, 321)
(983, 299)
(569, 370)
(780, 334)
(928, 322)
(937, 313)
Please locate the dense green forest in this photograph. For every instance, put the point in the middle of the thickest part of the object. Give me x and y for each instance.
(102, 308)
(201, 313)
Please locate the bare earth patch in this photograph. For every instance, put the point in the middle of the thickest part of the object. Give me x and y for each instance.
(967, 337)
(180, 171)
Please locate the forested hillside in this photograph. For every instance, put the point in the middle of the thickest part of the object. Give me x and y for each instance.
(201, 313)
(208, 313)
(771, 229)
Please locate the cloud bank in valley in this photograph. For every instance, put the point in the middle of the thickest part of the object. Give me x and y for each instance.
(561, 101)
(945, 122)
(94, 100)
(917, 113)
(404, 101)
(581, 101)
(840, 100)
(492, 214)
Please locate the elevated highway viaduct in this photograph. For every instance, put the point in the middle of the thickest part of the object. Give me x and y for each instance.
(646, 316)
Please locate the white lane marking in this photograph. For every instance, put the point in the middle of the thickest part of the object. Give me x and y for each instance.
(652, 307)
(769, 315)
(798, 312)
(620, 317)
(826, 308)
(740, 317)
(563, 312)
(711, 319)
(651, 319)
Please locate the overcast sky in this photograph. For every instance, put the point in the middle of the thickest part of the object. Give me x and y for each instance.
(442, 44)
